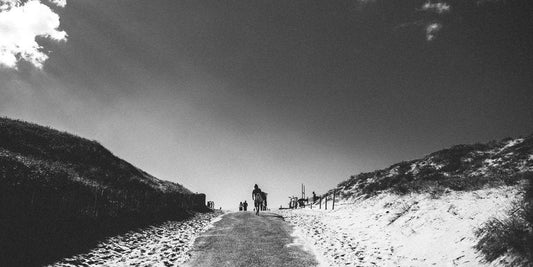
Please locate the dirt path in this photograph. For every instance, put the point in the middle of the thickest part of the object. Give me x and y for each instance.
(244, 239)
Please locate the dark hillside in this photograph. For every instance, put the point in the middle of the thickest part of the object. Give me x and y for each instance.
(60, 193)
(88, 158)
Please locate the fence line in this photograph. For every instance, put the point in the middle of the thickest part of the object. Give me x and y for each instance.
(324, 198)
(302, 202)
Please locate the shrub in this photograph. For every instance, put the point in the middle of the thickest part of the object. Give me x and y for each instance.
(513, 235)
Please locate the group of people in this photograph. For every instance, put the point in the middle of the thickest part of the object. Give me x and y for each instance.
(294, 202)
(243, 206)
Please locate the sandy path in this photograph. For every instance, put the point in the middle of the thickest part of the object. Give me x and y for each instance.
(167, 244)
(340, 247)
(244, 239)
(408, 230)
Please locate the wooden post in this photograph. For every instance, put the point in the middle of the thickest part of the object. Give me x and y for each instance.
(320, 203)
(326, 204)
(334, 192)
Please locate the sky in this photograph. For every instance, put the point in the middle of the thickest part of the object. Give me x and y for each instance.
(221, 95)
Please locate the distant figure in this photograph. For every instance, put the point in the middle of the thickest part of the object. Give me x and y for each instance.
(258, 199)
(245, 206)
(314, 197)
(294, 202)
(291, 202)
(240, 206)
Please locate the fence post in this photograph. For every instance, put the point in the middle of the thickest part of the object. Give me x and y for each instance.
(320, 203)
(326, 204)
(334, 192)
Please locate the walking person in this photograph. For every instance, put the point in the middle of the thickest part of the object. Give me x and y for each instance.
(245, 205)
(258, 199)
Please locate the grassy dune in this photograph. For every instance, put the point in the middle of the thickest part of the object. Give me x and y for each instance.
(59, 194)
(508, 162)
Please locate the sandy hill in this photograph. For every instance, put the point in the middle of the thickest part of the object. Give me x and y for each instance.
(60, 193)
(461, 167)
(469, 205)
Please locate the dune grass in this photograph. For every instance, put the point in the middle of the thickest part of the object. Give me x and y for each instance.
(512, 235)
(60, 194)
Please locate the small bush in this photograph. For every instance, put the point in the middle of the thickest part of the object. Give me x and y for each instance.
(513, 235)
(437, 191)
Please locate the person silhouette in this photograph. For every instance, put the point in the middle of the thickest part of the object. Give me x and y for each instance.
(258, 199)
(245, 205)
(240, 206)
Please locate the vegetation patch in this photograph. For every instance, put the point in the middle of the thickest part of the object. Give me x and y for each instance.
(459, 168)
(512, 235)
(60, 194)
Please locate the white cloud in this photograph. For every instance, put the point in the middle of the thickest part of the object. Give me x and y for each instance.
(438, 8)
(20, 24)
(60, 3)
(431, 30)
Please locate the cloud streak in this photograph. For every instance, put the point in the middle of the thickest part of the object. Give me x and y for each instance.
(439, 8)
(431, 30)
(20, 24)
(59, 3)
